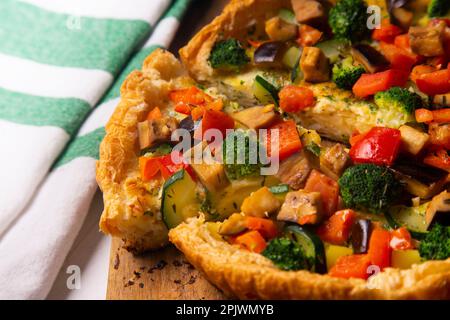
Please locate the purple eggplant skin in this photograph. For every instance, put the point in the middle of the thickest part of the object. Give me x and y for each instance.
(269, 53)
(361, 235)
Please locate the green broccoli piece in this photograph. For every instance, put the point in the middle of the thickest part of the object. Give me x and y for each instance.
(345, 74)
(348, 20)
(368, 187)
(228, 55)
(241, 155)
(436, 244)
(399, 98)
(287, 254)
(438, 8)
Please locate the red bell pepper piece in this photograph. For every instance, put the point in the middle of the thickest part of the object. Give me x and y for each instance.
(265, 227)
(387, 32)
(336, 230)
(424, 115)
(354, 266)
(401, 239)
(213, 119)
(192, 95)
(379, 248)
(441, 115)
(369, 84)
(438, 159)
(251, 240)
(288, 139)
(295, 98)
(148, 167)
(308, 36)
(419, 70)
(154, 114)
(167, 165)
(402, 41)
(398, 57)
(379, 146)
(433, 83)
(328, 188)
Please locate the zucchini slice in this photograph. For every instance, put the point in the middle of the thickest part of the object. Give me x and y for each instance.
(280, 191)
(264, 91)
(413, 218)
(311, 244)
(288, 16)
(179, 199)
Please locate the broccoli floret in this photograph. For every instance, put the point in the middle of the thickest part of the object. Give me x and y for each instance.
(241, 155)
(228, 55)
(345, 74)
(400, 99)
(348, 20)
(438, 8)
(436, 245)
(287, 254)
(368, 187)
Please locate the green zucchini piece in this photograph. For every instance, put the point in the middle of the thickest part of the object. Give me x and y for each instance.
(278, 189)
(312, 246)
(229, 200)
(413, 218)
(264, 91)
(333, 49)
(179, 199)
(291, 57)
(287, 15)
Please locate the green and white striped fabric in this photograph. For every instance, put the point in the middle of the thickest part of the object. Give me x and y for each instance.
(58, 58)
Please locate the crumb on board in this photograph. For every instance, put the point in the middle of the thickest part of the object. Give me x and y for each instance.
(158, 266)
(116, 261)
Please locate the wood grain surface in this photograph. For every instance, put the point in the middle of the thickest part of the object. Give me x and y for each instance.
(164, 274)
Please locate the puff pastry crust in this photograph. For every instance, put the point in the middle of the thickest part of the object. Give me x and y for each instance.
(234, 21)
(132, 207)
(246, 275)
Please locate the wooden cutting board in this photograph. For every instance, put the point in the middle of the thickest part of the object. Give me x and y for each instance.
(163, 274)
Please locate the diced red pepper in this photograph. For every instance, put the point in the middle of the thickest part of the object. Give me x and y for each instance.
(336, 230)
(401, 239)
(369, 84)
(183, 108)
(265, 227)
(251, 240)
(419, 70)
(294, 98)
(379, 248)
(356, 136)
(438, 159)
(441, 115)
(150, 166)
(387, 32)
(154, 114)
(213, 119)
(398, 57)
(433, 83)
(424, 115)
(192, 95)
(308, 36)
(328, 188)
(402, 41)
(353, 266)
(379, 146)
(288, 139)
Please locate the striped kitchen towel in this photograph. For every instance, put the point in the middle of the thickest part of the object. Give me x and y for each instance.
(58, 60)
